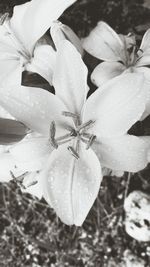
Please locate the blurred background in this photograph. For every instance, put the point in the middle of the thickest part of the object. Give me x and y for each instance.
(30, 233)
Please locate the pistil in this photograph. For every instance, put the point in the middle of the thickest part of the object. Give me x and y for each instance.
(85, 125)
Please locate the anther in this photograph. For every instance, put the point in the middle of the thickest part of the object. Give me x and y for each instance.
(52, 135)
(73, 152)
(91, 140)
(3, 18)
(53, 143)
(32, 183)
(70, 114)
(52, 129)
(86, 125)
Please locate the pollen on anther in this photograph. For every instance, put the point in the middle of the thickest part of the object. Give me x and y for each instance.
(69, 114)
(52, 135)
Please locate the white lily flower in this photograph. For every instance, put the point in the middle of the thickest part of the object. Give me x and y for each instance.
(120, 55)
(77, 135)
(19, 37)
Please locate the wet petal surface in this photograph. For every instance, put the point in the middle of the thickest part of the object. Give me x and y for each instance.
(126, 153)
(72, 185)
(106, 71)
(104, 43)
(116, 106)
(70, 77)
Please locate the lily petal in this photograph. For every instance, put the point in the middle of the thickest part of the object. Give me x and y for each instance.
(116, 106)
(124, 153)
(5, 114)
(10, 59)
(147, 139)
(43, 62)
(6, 42)
(34, 107)
(70, 77)
(7, 66)
(11, 62)
(146, 86)
(104, 43)
(145, 44)
(72, 185)
(14, 77)
(106, 71)
(144, 60)
(60, 31)
(11, 75)
(32, 152)
(32, 19)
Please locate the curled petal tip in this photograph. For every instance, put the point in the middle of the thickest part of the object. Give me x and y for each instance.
(60, 32)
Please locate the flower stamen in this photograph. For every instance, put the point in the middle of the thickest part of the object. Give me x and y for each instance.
(66, 136)
(73, 152)
(52, 135)
(70, 114)
(85, 125)
(76, 117)
(90, 141)
(78, 133)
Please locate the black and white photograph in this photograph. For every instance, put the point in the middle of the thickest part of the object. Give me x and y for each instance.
(74, 133)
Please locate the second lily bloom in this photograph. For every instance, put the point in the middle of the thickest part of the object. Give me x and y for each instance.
(120, 55)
